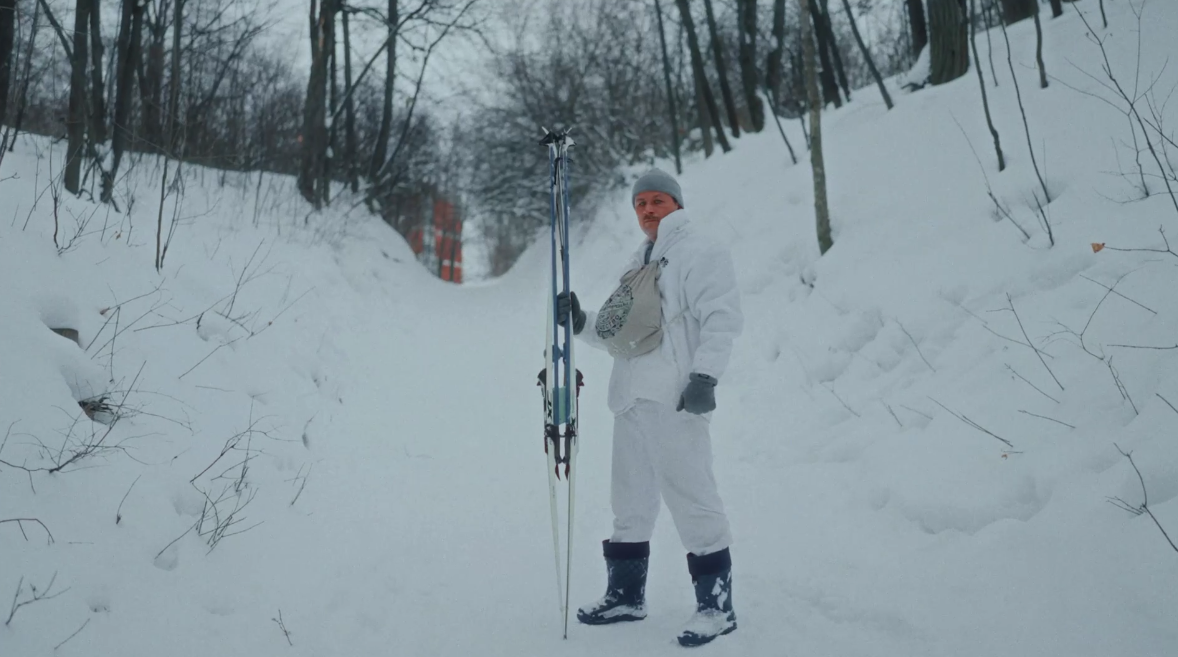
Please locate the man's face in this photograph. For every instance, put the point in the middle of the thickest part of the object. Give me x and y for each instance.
(651, 207)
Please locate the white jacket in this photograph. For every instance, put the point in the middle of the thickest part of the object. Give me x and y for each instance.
(701, 315)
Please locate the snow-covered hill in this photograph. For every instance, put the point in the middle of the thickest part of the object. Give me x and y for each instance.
(394, 459)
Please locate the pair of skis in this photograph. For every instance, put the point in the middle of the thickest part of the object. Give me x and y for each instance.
(559, 380)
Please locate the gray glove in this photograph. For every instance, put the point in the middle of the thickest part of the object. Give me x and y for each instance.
(566, 304)
(699, 396)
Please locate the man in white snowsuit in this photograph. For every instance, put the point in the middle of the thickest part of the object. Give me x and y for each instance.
(662, 401)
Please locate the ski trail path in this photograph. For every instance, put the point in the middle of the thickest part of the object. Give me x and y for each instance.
(434, 489)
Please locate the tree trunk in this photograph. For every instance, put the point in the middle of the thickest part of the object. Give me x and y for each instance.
(1056, 8)
(705, 119)
(949, 45)
(97, 88)
(701, 76)
(821, 209)
(1039, 49)
(383, 135)
(748, 62)
(1014, 11)
(883, 90)
(130, 36)
(77, 116)
(22, 94)
(151, 82)
(328, 155)
(982, 81)
(835, 54)
(917, 23)
(830, 87)
(175, 82)
(773, 74)
(658, 9)
(722, 69)
(7, 42)
(349, 111)
(314, 135)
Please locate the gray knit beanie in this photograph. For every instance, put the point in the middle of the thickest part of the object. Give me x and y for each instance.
(657, 180)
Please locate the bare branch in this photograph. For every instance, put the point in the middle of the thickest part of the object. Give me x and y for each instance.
(1044, 417)
(972, 423)
(1167, 402)
(35, 596)
(19, 523)
(282, 626)
(1028, 339)
(76, 633)
(913, 340)
(119, 511)
(1121, 385)
(1012, 371)
(1144, 508)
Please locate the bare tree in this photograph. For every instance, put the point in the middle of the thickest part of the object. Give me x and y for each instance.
(949, 41)
(386, 117)
(1039, 49)
(916, 23)
(883, 90)
(1026, 124)
(97, 87)
(747, 12)
(821, 208)
(77, 117)
(7, 21)
(982, 82)
(350, 109)
(830, 87)
(722, 69)
(773, 64)
(312, 168)
(670, 92)
(832, 44)
(176, 80)
(1014, 11)
(701, 76)
(129, 43)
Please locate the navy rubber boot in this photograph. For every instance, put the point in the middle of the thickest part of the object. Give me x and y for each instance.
(712, 576)
(625, 594)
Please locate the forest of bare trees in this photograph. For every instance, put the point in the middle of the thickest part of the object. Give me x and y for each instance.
(202, 82)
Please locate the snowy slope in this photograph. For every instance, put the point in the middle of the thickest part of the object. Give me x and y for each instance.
(869, 520)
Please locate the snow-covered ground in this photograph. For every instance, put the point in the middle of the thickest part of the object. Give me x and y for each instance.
(388, 424)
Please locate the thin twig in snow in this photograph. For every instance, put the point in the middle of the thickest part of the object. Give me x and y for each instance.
(282, 626)
(76, 633)
(923, 415)
(37, 596)
(119, 511)
(1167, 402)
(20, 524)
(1114, 291)
(930, 366)
(1040, 391)
(1028, 339)
(972, 423)
(1121, 385)
(1144, 508)
(1044, 417)
(836, 396)
(1136, 346)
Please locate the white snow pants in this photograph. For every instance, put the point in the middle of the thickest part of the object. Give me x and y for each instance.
(657, 452)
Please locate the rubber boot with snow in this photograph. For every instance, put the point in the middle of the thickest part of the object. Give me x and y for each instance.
(712, 576)
(625, 594)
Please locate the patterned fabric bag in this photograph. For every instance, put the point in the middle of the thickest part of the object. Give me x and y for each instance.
(630, 322)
